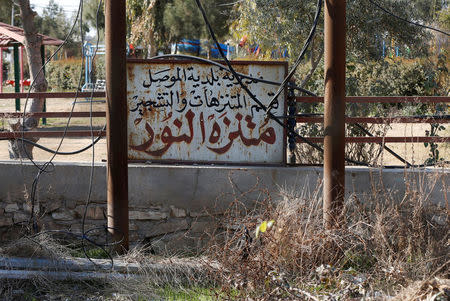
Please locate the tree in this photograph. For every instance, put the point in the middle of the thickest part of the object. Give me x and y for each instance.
(53, 21)
(90, 15)
(184, 20)
(275, 24)
(5, 11)
(158, 23)
(33, 44)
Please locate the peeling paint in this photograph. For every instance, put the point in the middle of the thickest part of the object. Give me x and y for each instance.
(198, 112)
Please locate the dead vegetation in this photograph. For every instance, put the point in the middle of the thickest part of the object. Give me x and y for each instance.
(382, 246)
(386, 248)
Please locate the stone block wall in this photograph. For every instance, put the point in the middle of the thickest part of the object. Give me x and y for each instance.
(172, 206)
(166, 228)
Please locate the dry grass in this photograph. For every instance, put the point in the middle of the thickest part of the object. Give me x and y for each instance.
(381, 247)
(147, 277)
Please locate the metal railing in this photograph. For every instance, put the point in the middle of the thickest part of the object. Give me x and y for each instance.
(381, 120)
(293, 119)
(51, 134)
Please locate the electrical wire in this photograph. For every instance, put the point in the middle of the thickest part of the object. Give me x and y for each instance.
(41, 70)
(406, 20)
(48, 150)
(244, 87)
(219, 65)
(44, 168)
(291, 73)
(222, 67)
(267, 110)
(91, 175)
(252, 96)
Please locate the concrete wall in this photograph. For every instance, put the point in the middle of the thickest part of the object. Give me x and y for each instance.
(167, 200)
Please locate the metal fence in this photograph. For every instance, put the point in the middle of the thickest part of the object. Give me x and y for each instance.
(293, 119)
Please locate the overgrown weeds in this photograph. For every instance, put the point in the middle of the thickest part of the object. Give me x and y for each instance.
(279, 249)
(381, 246)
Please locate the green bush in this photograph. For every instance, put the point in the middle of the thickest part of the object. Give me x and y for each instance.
(391, 77)
(99, 68)
(64, 74)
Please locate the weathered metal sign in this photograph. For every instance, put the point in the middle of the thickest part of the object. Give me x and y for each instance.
(187, 111)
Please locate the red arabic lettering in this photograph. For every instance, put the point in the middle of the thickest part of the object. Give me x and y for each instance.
(167, 138)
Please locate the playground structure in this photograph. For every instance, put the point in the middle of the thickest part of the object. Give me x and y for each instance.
(89, 52)
(14, 37)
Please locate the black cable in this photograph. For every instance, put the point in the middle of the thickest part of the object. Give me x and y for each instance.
(267, 110)
(41, 70)
(291, 73)
(91, 176)
(238, 78)
(291, 85)
(40, 146)
(252, 96)
(406, 20)
(43, 169)
(365, 131)
(300, 57)
(222, 67)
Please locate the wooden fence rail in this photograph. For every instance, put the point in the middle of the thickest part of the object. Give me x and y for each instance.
(299, 118)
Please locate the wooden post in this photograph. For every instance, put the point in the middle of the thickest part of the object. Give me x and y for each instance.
(16, 74)
(21, 68)
(1, 69)
(44, 108)
(116, 122)
(334, 117)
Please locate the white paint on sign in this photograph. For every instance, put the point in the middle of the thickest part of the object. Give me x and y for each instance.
(187, 111)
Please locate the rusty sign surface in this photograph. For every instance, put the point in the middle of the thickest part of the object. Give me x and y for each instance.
(189, 111)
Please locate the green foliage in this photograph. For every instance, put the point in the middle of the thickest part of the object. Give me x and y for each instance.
(64, 74)
(99, 68)
(387, 78)
(184, 20)
(194, 293)
(358, 262)
(444, 18)
(390, 77)
(90, 8)
(5, 11)
(53, 21)
(433, 156)
(160, 23)
(285, 24)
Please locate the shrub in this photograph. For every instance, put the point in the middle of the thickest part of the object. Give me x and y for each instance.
(64, 74)
(382, 244)
(391, 77)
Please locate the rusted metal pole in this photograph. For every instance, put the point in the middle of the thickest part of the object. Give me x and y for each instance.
(334, 117)
(1, 69)
(116, 122)
(21, 68)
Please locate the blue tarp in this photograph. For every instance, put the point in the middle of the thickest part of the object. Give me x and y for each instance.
(195, 47)
(189, 46)
(215, 51)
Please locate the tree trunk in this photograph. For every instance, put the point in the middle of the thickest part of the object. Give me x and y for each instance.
(33, 42)
(314, 64)
(152, 50)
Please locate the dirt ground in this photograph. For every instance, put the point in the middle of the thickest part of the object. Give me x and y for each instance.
(413, 152)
